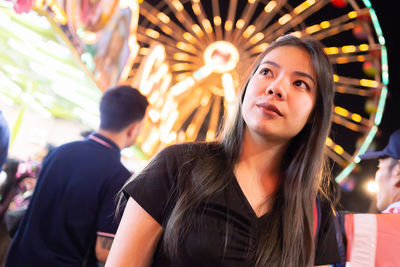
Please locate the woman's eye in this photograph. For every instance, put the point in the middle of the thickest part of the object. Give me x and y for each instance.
(265, 71)
(301, 84)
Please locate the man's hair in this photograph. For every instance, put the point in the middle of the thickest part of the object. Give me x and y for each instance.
(121, 106)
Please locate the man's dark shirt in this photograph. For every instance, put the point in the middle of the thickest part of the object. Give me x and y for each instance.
(73, 202)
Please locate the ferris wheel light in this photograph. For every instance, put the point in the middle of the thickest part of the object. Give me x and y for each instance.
(189, 37)
(222, 55)
(338, 149)
(356, 117)
(369, 83)
(341, 111)
(249, 31)
(352, 14)
(163, 17)
(196, 9)
(363, 47)
(260, 48)
(303, 6)
(331, 50)
(152, 33)
(240, 23)
(348, 49)
(328, 142)
(178, 5)
(313, 29)
(256, 38)
(325, 24)
(228, 25)
(284, 19)
(217, 20)
(197, 30)
(270, 6)
(207, 25)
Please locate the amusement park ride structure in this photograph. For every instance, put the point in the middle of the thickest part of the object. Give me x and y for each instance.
(189, 57)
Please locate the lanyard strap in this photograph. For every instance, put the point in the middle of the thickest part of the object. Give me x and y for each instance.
(101, 141)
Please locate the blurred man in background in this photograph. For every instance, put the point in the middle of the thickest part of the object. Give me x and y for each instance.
(70, 218)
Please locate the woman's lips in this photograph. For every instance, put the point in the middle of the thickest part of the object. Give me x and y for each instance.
(269, 108)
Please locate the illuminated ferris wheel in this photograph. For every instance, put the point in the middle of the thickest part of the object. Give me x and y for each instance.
(189, 56)
(193, 53)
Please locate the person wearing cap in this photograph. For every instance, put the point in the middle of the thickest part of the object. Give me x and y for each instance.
(388, 174)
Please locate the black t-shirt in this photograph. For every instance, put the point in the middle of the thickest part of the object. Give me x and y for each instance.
(73, 203)
(155, 189)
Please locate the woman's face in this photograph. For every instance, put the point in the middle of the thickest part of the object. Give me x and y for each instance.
(281, 94)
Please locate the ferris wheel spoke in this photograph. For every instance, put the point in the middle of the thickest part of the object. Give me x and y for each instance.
(336, 158)
(161, 20)
(337, 150)
(334, 26)
(270, 10)
(351, 59)
(228, 26)
(178, 57)
(194, 127)
(352, 121)
(332, 31)
(186, 108)
(242, 25)
(292, 19)
(217, 20)
(363, 83)
(354, 91)
(148, 35)
(352, 53)
(186, 20)
(204, 21)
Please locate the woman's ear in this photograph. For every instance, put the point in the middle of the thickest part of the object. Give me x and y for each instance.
(396, 174)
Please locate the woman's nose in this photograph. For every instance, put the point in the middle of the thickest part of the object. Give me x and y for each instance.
(275, 92)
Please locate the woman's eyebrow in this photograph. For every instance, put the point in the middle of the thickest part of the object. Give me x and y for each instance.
(298, 73)
(271, 63)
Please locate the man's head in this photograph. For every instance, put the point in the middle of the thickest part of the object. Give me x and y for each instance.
(122, 109)
(388, 173)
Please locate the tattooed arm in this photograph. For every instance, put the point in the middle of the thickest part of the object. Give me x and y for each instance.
(103, 246)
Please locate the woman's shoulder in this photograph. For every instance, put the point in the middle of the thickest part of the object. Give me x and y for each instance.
(189, 150)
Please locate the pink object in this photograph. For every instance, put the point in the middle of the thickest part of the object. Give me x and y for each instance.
(373, 240)
(23, 6)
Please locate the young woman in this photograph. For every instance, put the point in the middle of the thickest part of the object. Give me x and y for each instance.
(247, 199)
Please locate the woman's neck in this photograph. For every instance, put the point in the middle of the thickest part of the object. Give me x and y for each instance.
(262, 157)
(258, 171)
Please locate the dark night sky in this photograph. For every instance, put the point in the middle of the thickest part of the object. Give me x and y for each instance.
(357, 200)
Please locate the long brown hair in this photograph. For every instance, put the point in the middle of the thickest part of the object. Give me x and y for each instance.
(288, 238)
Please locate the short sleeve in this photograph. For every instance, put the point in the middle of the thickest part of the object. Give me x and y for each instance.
(107, 222)
(327, 249)
(154, 189)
